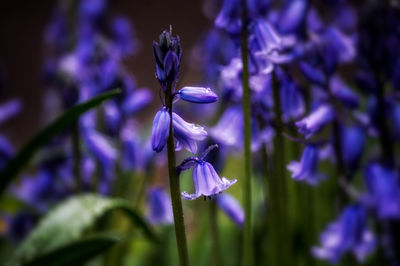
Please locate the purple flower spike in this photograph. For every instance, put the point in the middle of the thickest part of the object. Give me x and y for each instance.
(160, 132)
(207, 182)
(187, 134)
(384, 191)
(198, 95)
(159, 207)
(307, 168)
(349, 233)
(231, 207)
(316, 120)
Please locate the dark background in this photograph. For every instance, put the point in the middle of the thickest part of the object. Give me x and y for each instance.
(22, 50)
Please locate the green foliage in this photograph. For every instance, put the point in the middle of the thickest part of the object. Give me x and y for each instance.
(60, 124)
(59, 235)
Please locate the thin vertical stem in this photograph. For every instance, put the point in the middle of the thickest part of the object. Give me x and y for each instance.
(77, 156)
(174, 183)
(280, 175)
(247, 240)
(216, 251)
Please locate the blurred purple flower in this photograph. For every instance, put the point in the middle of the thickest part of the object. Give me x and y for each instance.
(159, 207)
(316, 120)
(231, 207)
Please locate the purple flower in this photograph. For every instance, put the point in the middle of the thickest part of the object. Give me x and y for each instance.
(229, 129)
(229, 16)
(9, 109)
(160, 132)
(341, 91)
(159, 207)
(267, 38)
(6, 151)
(207, 182)
(122, 36)
(316, 120)
(167, 53)
(231, 207)
(384, 190)
(135, 101)
(197, 95)
(353, 142)
(292, 16)
(187, 134)
(348, 234)
(307, 168)
(100, 147)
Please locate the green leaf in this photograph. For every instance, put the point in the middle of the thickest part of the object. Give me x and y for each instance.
(60, 124)
(75, 253)
(67, 223)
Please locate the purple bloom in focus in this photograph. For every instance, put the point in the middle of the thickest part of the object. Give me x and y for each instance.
(348, 234)
(197, 95)
(316, 120)
(307, 168)
(207, 182)
(160, 132)
(159, 207)
(187, 134)
(384, 190)
(231, 207)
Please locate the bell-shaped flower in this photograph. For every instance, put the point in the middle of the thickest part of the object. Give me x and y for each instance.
(353, 142)
(160, 132)
(187, 134)
(9, 109)
(316, 120)
(197, 95)
(231, 207)
(307, 168)
(206, 182)
(100, 147)
(266, 37)
(229, 18)
(348, 234)
(384, 191)
(159, 207)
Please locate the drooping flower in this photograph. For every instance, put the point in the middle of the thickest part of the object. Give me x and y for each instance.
(231, 207)
(316, 120)
(307, 168)
(160, 132)
(187, 134)
(353, 142)
(348, 234)
(384, 190)
(159, 207)
(206, 182)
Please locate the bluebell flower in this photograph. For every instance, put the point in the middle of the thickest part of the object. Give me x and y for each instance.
(159, 207)
(207, 182)
(167, 53)
(348, 234)
(316, 120)
(292, 101)
(229, 129)
(92, 9)
(292, 16)
(197, 95)
(187, 134)
(100, 147)
(384, 190)
(231, 207)
(353, 142)
(307, 168)
(160, 132)
(229, 17)
(9, 109)
(135, 101)
(112, 116)
(341, 91)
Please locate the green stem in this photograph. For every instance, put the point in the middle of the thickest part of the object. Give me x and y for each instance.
(247, 240)
(77, 157)
(174, 183)
(216, 251)
(280, 175)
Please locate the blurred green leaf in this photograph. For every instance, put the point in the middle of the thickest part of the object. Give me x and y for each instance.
(75, 253)
(64, 226)
(61, 123)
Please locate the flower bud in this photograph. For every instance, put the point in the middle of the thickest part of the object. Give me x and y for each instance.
(198, 95)
(160, 132)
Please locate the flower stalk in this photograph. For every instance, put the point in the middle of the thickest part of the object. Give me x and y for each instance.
(174, 184)
(248, 239)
